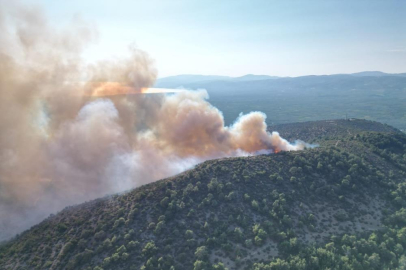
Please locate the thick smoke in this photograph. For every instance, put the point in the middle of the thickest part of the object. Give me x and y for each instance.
(61, 144)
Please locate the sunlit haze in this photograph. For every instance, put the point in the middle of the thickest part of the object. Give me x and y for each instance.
(233, 38)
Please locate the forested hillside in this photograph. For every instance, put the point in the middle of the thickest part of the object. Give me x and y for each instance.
(319, 131)
(341, 205)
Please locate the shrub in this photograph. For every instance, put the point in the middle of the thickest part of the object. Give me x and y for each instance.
(119, 222)
(189, 234)
(254, 204)
(258, 240)
(201, 253)
(149, 249)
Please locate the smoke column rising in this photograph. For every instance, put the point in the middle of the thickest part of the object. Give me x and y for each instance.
(62, 142)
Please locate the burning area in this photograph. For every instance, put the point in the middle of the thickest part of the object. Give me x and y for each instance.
(64, 142)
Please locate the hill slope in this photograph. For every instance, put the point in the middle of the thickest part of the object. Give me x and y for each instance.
(317, 131)
(339, 206)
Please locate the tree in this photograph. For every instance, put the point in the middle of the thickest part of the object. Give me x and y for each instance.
(374, 260)
(115, 257)
(201, 253)
(258, 240)
(199, 265)
(238, 233)
(124, 256)
(159, 227)
(189, 234)
(213, 184)
(106, 261)
(121, 249)
(119, 222)
(132, 244)
(164, 202)
(293, 170)
(149, 249)
(262, 234)
(219, 266)
(107, 243)
(254, 204)
(248, 243)
(246, 197)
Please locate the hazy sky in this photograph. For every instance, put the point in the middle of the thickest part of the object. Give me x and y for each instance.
(282, 38)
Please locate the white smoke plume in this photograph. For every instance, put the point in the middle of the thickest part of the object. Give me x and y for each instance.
(61, 143)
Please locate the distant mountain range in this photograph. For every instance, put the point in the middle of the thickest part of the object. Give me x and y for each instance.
(178, 80)
(185, 79)
(370, 95)
(377, 74)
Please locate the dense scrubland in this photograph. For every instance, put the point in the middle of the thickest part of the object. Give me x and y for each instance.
(341, 205)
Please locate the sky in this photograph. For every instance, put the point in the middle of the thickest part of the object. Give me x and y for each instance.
(234, 38)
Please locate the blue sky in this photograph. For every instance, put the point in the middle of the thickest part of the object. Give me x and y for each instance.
(280, 38)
